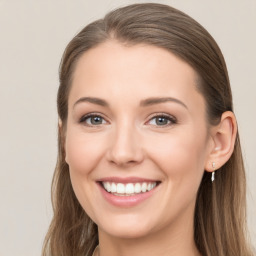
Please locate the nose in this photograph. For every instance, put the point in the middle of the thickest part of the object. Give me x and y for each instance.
(125, 149)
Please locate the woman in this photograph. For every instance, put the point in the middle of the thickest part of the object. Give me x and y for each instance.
(149, 155)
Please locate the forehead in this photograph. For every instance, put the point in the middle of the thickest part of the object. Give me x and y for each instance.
(113, 70)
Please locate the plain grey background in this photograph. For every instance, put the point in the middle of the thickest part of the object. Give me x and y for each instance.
(33, 35)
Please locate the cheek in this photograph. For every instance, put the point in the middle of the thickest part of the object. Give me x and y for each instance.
(83, 151)
(180, 157)
(180, 154)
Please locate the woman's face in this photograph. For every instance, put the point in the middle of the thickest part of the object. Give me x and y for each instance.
(136, 125)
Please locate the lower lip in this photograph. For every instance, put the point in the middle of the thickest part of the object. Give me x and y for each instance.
(126, 201)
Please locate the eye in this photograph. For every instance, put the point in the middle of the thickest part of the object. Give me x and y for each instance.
(93, 120)
(162, 120)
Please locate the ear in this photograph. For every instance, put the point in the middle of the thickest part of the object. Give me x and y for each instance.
(59, 123)
(223, 137)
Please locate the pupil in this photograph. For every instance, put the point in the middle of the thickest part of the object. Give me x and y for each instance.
(161, 121)
(96, 120)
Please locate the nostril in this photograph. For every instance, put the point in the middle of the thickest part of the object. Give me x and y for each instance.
(125, 151)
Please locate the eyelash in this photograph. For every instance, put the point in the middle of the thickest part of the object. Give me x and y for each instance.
(171, 119)
(90, 115)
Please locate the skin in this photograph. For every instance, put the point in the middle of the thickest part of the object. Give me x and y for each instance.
(128, 141)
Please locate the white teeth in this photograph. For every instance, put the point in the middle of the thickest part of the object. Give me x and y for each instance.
(108, 187)
(129, 188)
(144, 187)
(113, 187)
(120, 188)
(137, 188)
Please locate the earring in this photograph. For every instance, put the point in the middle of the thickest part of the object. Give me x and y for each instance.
(213, 173)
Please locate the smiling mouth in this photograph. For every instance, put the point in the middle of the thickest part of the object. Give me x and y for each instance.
(128, 189)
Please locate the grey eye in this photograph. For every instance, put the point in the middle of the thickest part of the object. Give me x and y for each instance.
(159, 121)
(93, 120)
(96, 120)
(162, 120)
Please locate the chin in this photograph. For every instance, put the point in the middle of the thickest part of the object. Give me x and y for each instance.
(129, 227)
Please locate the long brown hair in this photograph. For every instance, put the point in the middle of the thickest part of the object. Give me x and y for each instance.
(220, 213)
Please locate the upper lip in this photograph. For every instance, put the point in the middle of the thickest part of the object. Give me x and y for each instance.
(126, 180)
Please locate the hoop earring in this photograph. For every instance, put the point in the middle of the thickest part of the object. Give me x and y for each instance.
(213, 173)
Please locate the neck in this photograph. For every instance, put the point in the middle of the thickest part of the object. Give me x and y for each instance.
(176, 239)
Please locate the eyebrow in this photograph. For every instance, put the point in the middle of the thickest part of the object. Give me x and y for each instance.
(93, 100)
(143, 103)
(152, 101)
